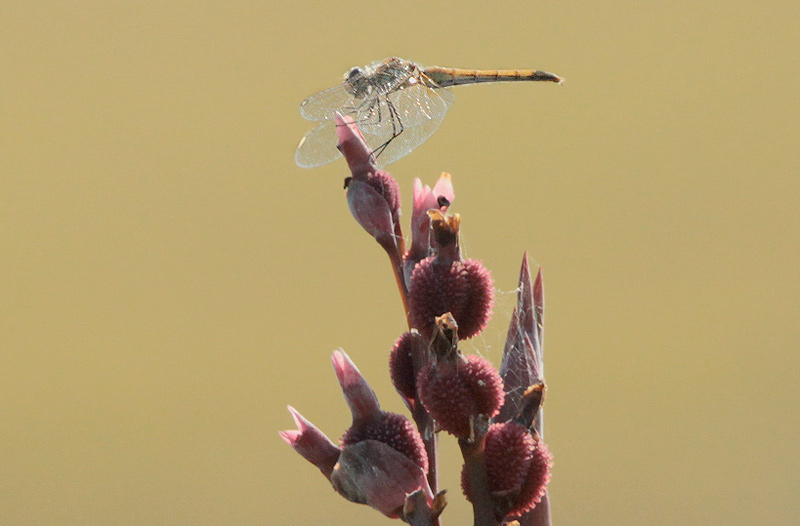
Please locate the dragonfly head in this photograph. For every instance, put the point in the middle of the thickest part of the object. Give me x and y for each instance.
(355, 82)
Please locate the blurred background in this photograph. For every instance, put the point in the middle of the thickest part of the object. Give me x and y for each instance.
(170, 280)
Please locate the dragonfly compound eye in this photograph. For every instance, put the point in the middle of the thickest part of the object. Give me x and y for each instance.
(354, 75)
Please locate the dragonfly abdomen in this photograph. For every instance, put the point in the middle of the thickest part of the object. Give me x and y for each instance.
(445, 77)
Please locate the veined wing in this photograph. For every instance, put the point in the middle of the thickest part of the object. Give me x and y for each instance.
(318, 146)
(417, 104)
(394, 122)
(407, 141)
(390, 113)
(321, 106)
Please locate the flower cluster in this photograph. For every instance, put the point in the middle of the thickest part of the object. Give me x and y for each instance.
(388, 461)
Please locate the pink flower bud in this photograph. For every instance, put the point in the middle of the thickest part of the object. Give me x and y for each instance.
(456, 391)
(508, 451)
(372, 194)
(383, 457)
(517, 467)
(372, 211)
(311, 443)
(535, 485)
(372, 423)
(401, 365)
(353, 146)
(463, 288)
(425, 199)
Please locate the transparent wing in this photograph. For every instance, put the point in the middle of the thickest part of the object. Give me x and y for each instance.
(400, 109)
(321, 106)
(404, 143)
(418, 104)
(394, 123)
(318, 146)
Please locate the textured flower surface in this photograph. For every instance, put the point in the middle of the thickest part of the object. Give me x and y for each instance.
(401, 364)
(462, 288)
(455, 392)
(508, 453)
(535, 485)
(395, 431)
(382, 458)
(517, 467)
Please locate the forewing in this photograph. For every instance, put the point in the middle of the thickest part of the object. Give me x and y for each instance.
(418, 104)
(318, 146)
(321, 106)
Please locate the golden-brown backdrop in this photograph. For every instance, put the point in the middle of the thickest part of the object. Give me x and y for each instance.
(170, 280)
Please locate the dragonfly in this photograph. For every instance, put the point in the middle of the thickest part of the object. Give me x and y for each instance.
(397, 104)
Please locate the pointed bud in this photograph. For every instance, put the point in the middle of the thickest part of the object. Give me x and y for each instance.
(370, 422)
(358, 394)
(311, 443)
(353, 146)
(522, 356)
(425, 199)
(372, 194)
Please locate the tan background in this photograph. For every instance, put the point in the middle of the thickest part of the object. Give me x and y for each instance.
(171, 280)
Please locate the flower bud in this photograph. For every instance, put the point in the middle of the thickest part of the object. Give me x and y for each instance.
(463, 288)
(311, 443)
(395, 431)
(372, 194)
(457, 390)
(425, 199)
(354, 147)
(401, 365)
(372, 211)
(517, 468)
(535, 485)
(446, 283)
(372, 423)
(508, 452)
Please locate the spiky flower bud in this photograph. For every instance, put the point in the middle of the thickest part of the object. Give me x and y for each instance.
(508, 452)
(457, 391)
(535, 485)
(463, 288)
(517, 468)
(401, 364)
(394, 430)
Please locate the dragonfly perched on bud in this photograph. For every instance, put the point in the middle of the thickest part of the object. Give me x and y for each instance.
(397, 105)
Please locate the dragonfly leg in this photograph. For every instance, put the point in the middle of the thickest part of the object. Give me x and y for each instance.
(397, 126)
